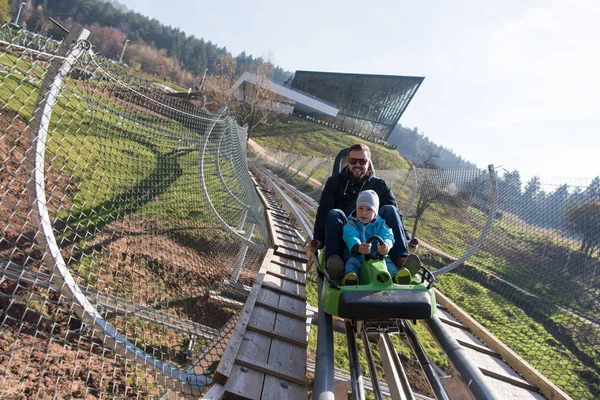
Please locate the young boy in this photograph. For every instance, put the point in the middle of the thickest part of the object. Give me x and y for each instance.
(362, 224)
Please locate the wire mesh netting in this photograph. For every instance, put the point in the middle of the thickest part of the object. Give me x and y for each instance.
(521, 259)
(307, 173)
(534, 280)
(124, 212)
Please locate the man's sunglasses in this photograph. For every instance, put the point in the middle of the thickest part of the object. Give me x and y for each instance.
(361, 161)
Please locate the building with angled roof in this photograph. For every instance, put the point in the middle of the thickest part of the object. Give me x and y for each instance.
(370, 105)
(287, 98)
(364, 104)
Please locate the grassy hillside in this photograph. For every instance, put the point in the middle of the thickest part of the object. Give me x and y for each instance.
(300, 136)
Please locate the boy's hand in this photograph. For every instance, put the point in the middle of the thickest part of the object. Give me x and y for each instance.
(383, 248)
(364, 248)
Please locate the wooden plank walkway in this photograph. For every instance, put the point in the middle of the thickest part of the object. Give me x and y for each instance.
(266, 354)
(509, 376)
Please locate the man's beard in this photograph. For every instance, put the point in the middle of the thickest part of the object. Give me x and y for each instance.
(353, 176)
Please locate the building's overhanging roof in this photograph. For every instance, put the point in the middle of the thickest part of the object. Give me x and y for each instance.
(290, 93)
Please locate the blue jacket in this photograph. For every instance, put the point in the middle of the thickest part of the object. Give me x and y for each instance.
(341, 192)
(355, 232)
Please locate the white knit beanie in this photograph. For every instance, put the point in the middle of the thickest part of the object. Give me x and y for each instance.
(368, 198)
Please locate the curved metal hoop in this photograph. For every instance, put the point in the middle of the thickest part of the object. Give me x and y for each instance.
(484, 232)
(69, 52)
(201, 170)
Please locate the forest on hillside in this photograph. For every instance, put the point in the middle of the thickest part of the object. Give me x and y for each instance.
(417, 147)
(156, 49)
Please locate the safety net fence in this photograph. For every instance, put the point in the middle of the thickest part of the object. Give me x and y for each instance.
(125, 213)
(519, 255)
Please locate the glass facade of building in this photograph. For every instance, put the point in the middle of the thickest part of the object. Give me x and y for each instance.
(368, 104)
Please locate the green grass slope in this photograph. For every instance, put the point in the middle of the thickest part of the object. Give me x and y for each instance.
(307, 138)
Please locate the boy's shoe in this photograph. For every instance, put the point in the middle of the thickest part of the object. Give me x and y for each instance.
(350, 279)
(412, 264)
(403, 277)
(335, 267)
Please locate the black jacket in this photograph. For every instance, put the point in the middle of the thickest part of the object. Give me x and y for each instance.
(341, 192)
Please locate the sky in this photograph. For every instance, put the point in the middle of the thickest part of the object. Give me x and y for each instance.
(513, 83)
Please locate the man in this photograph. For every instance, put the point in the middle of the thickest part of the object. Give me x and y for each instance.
(339, 200)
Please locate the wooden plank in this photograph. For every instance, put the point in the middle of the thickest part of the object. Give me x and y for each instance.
(272, 370)
(300, 251)
(289, 264)
(283, 252)
(490, 362)
(292, 327)
(226, 364)
(281, 276)
(286, 225)
(292, 305)
(282, 303)
(278, 335)
(216, 392)
(287, 228)
(278, 212)
(453, 323)
(278, 220)
(290, 360)
(292, 287)
(481, 349)
(263, 319)
(289, 273)
(292, 243)
(277, 389)
(269, 298)
(280, 291)
(244, 382)
(286, 260)
(284, 287)
(550, 390)
(508, 379)
(279, 231)
(272, 234)
(298, 316)
(301, 245)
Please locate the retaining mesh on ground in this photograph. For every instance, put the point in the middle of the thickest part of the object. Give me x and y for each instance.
(534, 281)
(154, 216)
